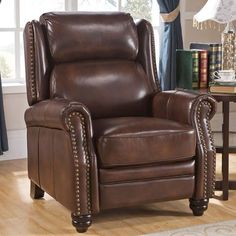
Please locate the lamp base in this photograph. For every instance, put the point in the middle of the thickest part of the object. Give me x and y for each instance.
(228, 38)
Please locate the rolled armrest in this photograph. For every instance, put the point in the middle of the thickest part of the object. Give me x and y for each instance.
(181, 106)
(74, 119)
(195, 110)
(54, 113)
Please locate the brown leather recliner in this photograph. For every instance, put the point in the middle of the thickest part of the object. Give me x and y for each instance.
(101, 134)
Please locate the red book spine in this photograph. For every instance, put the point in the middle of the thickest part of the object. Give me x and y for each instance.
(203, 69)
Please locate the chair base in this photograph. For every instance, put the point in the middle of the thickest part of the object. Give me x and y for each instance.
(81, 223)
(198, 206)
(35, 191)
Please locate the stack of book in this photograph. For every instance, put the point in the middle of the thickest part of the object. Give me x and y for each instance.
(195, 67)
(223, 87)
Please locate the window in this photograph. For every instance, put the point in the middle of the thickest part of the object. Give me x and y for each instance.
(15, 13)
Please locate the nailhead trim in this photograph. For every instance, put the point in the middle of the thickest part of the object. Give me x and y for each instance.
(154, 60)
(76, 159)
(212, 146)
(202, 140)
(32, 63)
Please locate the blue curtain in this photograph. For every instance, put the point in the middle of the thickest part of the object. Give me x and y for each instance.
(170, 40)
(3, 131)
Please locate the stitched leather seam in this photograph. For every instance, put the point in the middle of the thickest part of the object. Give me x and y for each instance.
(168, 104)
(134, 28)
(154, 60)
(107, 165)
(38, 134)
(39, 138)
(148, 179)
(43, 126)
(150, 165)
(145, 136)
(53, 165)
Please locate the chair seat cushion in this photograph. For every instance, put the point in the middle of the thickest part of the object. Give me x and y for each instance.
(129, 141)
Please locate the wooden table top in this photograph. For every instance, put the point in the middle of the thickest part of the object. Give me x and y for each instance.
(220, 97)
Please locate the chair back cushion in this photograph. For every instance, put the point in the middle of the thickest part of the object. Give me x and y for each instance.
(108, 88)
(94, 62)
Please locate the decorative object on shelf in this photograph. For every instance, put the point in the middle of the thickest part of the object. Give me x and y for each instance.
(220, 12)
(229, 47)
(224, 75)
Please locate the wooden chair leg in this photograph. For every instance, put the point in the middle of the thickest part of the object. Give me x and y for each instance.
(81, 223)
(35, 191)
(198, 206)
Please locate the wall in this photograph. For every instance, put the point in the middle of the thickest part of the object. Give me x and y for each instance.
(15, 104)
(192, 34)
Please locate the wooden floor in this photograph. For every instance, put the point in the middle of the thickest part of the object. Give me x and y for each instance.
(19, 215)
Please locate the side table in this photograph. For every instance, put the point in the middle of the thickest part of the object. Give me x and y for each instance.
(225, 184)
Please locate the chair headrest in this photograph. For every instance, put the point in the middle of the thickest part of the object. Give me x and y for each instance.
(80, 36)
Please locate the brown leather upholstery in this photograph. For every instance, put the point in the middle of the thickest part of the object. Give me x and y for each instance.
(93, 38)
(141, 172)
(98, 93)
(100, 132)
(148, 140)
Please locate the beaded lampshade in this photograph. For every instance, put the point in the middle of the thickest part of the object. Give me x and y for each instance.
(220, 12)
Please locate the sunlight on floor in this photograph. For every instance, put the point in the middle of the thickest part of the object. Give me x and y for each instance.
(23, 174)
(23, 186)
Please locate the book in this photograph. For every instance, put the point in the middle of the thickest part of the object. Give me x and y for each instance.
(219, 57)
(195, 69)
(203, 69)
(222, 89)
(214, 56)
(187, 69)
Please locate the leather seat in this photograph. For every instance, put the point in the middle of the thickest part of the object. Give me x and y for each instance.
(100, 132)
(145, 140)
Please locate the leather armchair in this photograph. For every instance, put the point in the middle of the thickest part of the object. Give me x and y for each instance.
(100, 132)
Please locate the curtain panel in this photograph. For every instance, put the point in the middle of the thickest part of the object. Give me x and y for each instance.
(170, 40)
(3, 131)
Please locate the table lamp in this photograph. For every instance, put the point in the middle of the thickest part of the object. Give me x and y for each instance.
(220, 12)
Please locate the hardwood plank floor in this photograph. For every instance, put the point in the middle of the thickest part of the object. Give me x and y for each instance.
(19, 215)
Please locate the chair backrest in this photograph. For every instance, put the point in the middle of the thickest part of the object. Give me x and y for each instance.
(103, 60)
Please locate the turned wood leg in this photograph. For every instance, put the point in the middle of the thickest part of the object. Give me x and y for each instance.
(81, 223)
(198, 206)
(35, 191)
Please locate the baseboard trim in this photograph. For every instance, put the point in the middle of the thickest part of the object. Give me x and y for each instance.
(17, 145)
